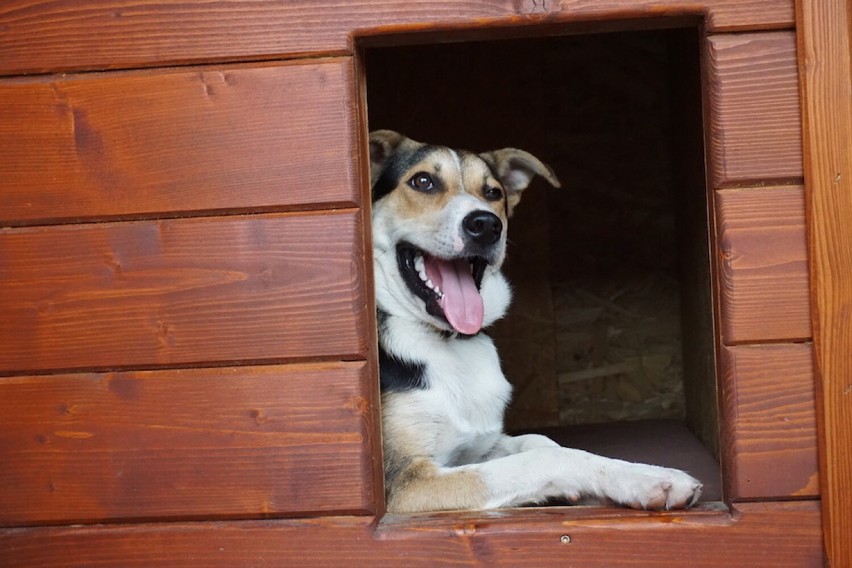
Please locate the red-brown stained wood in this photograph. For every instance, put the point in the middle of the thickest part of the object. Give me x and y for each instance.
(214, 443)
(825, 58)
(169, 142)
(758, 534)
(182, 291)
(69, 34)
(763, 270)
(769, 423)
(755, 128)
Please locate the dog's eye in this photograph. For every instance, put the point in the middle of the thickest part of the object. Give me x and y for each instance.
(493, 193)
(421, 181)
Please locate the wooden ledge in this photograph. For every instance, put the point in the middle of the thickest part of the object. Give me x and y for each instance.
(768, 534)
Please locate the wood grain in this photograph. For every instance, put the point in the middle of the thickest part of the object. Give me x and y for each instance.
(71, 35)
(172, 142)
(183, 291)
(215, 443)
(757, 534)
(825, 57)
(763, 271)
(769, 431)
(755, 120)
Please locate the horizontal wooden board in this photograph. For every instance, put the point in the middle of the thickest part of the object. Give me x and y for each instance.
(171, 142)
(758, 534)
(182, 291)
(763, 270)
(755, 122)
(69, 34)
(769, 427)
(200, 443)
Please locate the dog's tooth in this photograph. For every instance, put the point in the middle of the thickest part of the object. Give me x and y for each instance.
(420, 267)
(438, 291)
(430, 284)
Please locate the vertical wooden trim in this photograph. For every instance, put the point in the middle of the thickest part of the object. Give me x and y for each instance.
(362, 155)
(824, 62)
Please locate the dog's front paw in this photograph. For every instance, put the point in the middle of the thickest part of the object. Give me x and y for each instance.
(651, 487)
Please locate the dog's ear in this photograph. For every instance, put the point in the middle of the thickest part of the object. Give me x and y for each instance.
(383, 145)
(515, 170)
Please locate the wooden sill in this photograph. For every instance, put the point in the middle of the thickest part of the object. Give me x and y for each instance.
(754, 534)
(467, 523)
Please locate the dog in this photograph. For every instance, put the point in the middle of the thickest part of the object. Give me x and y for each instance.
(439, 220)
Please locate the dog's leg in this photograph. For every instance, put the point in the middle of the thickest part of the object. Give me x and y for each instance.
(537, 474)
(508, 445)
(423, 486)
(542, 469)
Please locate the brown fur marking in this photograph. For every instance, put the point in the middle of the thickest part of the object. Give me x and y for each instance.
(422, 487)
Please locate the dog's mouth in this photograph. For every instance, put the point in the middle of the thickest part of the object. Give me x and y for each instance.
(449, 287)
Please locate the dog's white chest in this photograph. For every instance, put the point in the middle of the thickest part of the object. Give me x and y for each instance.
(457, 413)
(468, 394)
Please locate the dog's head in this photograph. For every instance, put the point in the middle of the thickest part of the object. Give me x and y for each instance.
(439, 228)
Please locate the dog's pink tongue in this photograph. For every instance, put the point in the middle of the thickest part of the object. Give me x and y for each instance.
(461, 303)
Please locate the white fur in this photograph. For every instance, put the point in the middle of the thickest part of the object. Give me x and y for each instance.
(462, 407)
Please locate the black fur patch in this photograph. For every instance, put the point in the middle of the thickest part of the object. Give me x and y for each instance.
(395, 167)
(396, 375)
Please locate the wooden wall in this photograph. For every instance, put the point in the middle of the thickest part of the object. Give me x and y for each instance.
(186, 323)
(765, 352)
(185, 327)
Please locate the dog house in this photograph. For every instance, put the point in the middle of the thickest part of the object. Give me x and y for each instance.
(188, 369)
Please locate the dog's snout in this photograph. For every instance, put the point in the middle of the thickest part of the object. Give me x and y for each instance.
(483, 227)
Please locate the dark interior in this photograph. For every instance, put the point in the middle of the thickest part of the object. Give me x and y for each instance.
(609, 343)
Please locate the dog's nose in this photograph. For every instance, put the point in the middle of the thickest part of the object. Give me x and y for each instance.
(483, 227)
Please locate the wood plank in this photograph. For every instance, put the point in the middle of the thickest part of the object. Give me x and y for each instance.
(182, 291)
(763, 271)
(755, 120)
(244, 442)
(69, 34)
(825, 58)
(170, 142)
(757, 534)
(769, 432)
(696, 242)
